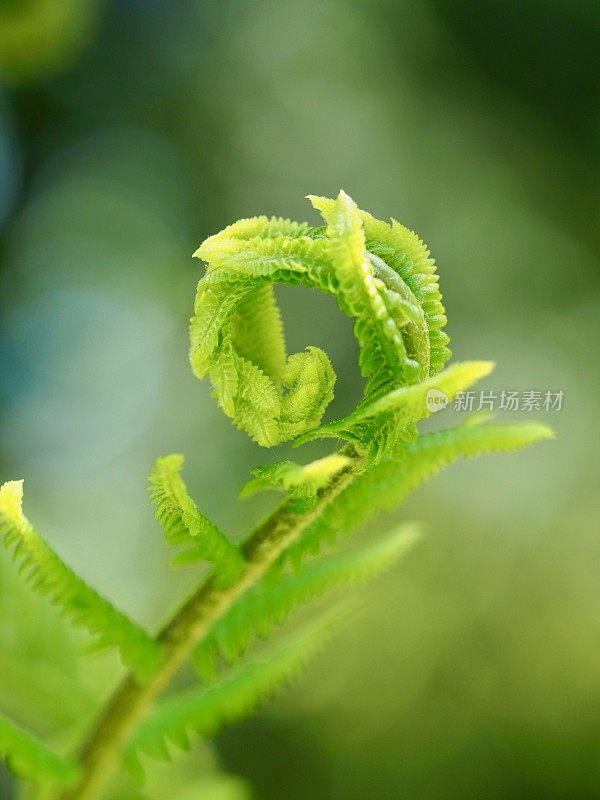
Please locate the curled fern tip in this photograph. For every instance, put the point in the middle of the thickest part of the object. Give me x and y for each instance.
(380, 274)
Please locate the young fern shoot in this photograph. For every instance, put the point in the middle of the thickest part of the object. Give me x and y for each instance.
(381, 275)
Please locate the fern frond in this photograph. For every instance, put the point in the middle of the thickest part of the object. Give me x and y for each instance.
(385, 485)
(204, 711)
(404, 252)
(402, 406)
(257, 332)
(379, 309)
(279, 257)
(214, 308)
(48, 575)
(379, 273)
(28, 758)
(302, 482)
(185, 526)
(251, 227)
(270, 603)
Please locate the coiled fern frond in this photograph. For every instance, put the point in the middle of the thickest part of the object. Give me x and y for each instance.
(380, 274)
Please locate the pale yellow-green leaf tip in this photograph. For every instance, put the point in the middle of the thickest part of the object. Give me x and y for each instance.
(323, 469)
(11, 501)
(539, 431)
(317, 201)
(407, 534)
(323, 204)
(480, 369)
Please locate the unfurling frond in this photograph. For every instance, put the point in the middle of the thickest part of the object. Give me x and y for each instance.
(270, 603)
(27, 757)
(49, 576)
(385, 485)
(204, 711)
(185, 526)
(380, 274)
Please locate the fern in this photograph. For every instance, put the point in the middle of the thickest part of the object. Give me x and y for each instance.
(270, 603)
(49, 576)
(204, 711)
(381, 275)
(186, 526)
(29, 758)
(381, 426)
(385, 485)
(301, 482)
(396, 305)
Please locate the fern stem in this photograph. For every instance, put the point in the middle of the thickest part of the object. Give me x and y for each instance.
(101, 753)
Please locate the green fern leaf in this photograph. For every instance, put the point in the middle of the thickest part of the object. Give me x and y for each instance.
(385, 485)
(347, 253)
(279, 257)
(28, 758)
(405, 253)
(400, 408)
(270, 603)
(237, 337)
(204, 711)
(263, 226)
(301, 482)
(366, 296)
(257, 332)
(49, 576)
(214, 307)
(185, 526)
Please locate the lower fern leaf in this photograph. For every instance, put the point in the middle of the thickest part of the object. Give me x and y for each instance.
(270, 603)
(49, 576)
(29, 758)
(386, 484)
(203, 711)
(186, 526)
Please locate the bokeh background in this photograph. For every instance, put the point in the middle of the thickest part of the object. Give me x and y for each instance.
(130, 130)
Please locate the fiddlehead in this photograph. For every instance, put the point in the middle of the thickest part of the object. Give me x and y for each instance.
(380, 274)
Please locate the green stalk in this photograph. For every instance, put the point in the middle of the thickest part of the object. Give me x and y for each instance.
(100, 755)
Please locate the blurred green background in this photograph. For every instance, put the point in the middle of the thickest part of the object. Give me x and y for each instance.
(132, 129)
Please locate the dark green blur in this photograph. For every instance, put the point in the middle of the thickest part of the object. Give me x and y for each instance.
(131, 130)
